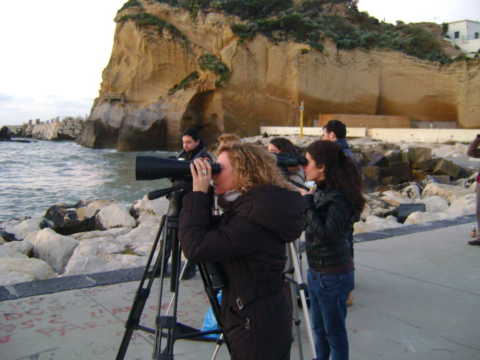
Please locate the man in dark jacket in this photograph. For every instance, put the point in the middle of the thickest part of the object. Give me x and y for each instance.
(192, 148)
(336, 131)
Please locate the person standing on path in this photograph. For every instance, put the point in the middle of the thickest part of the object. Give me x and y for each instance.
(474, 152)
(332, 208)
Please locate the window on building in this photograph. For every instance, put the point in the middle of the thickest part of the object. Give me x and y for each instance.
(456, 34)
(477, 35)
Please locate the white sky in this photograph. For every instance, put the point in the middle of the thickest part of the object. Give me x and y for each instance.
(53, 52)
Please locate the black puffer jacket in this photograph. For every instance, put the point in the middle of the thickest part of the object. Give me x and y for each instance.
(249, 243)
(330, 219)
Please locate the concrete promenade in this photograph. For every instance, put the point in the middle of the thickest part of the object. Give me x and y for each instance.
(417, 297)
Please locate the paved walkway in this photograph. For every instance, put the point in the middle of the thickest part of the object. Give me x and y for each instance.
(417, 297)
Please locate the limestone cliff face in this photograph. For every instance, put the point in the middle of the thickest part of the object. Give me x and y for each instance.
(155, 85)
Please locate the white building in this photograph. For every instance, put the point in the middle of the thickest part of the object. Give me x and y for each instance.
(465, 34)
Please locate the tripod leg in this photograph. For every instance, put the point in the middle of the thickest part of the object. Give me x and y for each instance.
(296, 318)
(172, 299)
(217, 347)
(142, 294)
(299, 280)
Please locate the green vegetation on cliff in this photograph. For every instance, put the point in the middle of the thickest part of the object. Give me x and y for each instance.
(145, 19)
(212, 63)
(184, 83)
(313, 21)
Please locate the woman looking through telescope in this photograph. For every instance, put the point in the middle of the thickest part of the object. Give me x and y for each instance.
(261, 214)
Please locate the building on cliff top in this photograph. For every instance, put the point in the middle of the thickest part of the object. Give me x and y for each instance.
(465, 34)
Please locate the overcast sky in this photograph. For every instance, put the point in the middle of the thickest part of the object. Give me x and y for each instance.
(54, 51)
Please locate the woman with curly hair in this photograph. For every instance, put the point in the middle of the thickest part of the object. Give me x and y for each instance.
(261, 215)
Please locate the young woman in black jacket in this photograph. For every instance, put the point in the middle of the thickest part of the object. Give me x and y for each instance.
(333, 208)
(261, 214)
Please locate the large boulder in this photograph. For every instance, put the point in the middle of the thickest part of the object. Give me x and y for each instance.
(114, 215)
(420, 217)
(16, 270)
(21, 229)
(419, 155)
(54, 248)
(448, 192)
(435, 204)
(68, 219)
(102, 254)
(375, 223)
(5, 134)
(24, 247)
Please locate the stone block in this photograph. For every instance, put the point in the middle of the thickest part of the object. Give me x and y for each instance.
(419, 154)
(396, 173)
(446, 167)
(404, 210)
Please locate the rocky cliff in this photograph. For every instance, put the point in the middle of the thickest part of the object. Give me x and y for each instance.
(169, 70)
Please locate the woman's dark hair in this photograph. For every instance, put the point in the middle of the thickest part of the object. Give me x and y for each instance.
(341, 173)
(284, 145)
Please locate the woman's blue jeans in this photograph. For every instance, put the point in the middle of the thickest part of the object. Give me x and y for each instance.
(328, 295)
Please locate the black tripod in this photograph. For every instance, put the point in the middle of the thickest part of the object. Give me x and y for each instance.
(167, 325)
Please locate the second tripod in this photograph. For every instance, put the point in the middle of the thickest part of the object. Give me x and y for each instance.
(167, 325)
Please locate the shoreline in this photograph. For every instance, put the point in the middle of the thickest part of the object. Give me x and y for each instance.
(81, 281)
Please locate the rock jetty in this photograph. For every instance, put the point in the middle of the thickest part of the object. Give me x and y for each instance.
(410, 184)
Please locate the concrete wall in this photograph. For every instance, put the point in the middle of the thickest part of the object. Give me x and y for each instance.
(469, 46)
(376, 121)
(388, 135)
(307, 131)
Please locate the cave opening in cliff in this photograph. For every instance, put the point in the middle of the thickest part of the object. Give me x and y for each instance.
(200, 112)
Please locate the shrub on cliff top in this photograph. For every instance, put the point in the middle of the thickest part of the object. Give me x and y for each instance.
(129, 4)
(145, 19)
(311, 21)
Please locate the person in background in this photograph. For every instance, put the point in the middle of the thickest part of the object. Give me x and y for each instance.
(333, 207)
(261, 214)
(192, 148)
(336, 131)
(294, 174)
(227, 140)
(474, 152)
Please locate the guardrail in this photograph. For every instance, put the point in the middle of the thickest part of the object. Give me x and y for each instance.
(390, 134)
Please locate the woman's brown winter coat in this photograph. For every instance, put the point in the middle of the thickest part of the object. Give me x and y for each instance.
(249, 242)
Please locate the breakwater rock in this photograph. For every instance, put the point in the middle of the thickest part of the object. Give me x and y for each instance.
(67, 129)
(104, 235)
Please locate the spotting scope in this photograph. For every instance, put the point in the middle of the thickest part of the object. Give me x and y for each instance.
(152, 168)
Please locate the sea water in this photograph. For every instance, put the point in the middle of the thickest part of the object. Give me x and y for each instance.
(39, 174)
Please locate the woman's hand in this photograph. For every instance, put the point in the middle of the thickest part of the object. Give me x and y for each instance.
(201, 174)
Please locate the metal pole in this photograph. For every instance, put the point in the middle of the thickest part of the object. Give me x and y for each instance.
(301, 108)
